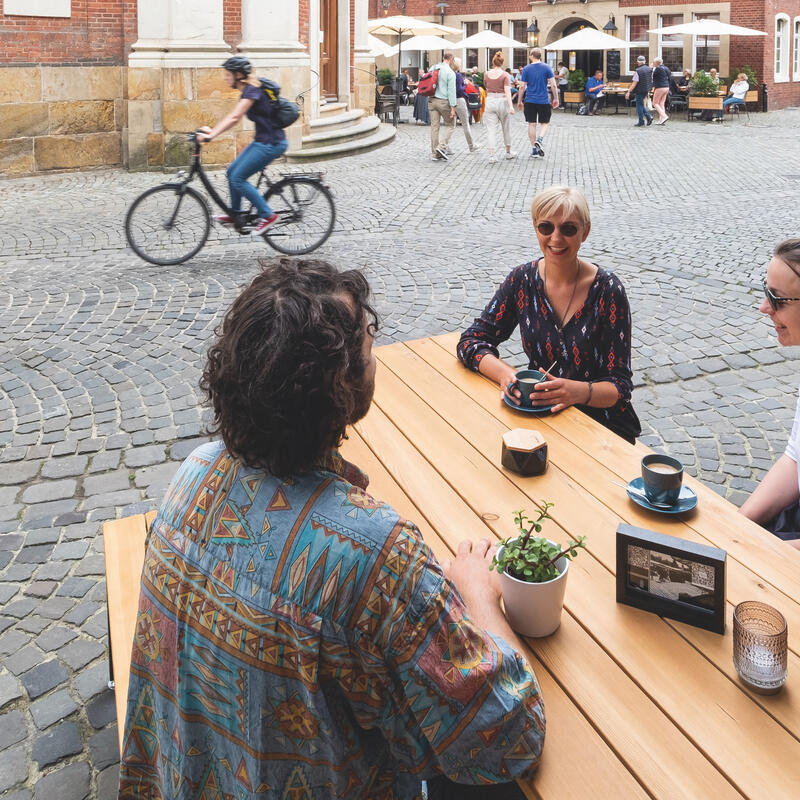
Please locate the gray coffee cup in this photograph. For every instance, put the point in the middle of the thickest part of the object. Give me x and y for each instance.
(525, 381)
(663, 478)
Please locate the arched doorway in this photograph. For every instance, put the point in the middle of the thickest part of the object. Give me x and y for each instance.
(585, 60)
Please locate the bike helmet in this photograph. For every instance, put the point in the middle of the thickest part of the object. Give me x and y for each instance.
(238, 64)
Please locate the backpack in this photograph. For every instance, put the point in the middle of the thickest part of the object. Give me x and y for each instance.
(428, 83)
(284, 111)
(473, 101)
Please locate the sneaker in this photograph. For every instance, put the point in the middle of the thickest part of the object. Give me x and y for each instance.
(263, 224)
(473, 149)
(224, 219)
(511, 155)
(492, 160)
(534, 152)
(649, 120)
(436, 157)
(639, 125)
(540, 149)
(450, 151)
(442, 152)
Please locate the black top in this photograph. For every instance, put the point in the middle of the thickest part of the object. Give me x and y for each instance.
(661, 77)
(593, 345)
(645, 83)
(267, 132)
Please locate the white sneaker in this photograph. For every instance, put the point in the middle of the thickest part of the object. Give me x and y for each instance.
(450, 151)
(442, 152)
(492, 160)
(511, 155)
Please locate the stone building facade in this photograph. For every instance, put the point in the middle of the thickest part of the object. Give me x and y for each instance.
(86, 83)
(775, 58)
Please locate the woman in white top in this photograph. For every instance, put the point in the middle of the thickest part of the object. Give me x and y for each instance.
(562, 74)
(499, 107)
(775, 503)
(739, 89)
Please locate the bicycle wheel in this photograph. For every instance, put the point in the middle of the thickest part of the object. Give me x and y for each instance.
(168, 224)
(306, 215)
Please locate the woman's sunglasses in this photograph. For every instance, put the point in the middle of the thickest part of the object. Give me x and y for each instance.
(568, 229)
(775, 301)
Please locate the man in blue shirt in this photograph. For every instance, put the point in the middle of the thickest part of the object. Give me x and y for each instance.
(540, 92)
(594, 92)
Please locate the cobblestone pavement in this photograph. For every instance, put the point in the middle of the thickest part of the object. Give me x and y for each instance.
(100, 355)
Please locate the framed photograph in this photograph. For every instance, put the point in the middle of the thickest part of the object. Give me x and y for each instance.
(671, 577)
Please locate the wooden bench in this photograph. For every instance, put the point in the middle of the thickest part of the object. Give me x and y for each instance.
(123, 540)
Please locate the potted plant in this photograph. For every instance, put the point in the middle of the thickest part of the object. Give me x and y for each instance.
(533, 575)
(385, 77)
(704, 93)
(576, 85)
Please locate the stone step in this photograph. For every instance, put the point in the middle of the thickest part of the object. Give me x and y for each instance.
(331, 122)
(331, 108)
(383, 135)
(352, 131)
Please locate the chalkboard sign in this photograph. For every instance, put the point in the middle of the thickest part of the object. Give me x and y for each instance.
(612, 72)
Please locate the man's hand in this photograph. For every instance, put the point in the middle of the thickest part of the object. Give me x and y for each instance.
(452, 112)
(471, 575)
(627, 95)
(555, 103)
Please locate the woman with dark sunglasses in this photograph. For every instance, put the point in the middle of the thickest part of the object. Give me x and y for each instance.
(570, 312)
(775, 504)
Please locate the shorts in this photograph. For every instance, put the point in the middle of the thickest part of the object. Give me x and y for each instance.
(538, 112)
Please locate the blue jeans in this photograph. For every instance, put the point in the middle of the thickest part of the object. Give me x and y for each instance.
(251, 160)
(732, 101)
(640, 109)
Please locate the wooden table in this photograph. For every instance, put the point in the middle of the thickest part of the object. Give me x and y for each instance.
(637, 706)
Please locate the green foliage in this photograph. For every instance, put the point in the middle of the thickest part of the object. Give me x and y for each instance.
(702, 85)
(751, 76)
(477, 78)
(385, 76)
(532, 558)
(576, 81)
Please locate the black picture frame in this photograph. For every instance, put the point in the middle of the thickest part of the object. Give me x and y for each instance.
(635, 581)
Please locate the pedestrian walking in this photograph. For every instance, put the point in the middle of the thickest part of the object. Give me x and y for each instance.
(443, 108)
(562, 74)
(538, 86)
(462, 111)
(661, 80)
(641, 84)
(499, 106)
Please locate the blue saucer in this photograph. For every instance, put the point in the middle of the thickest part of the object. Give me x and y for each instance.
(537, 410)
(687, 499)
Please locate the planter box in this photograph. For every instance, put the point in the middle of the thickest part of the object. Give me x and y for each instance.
(574, 97)
(751, 96)
(705, 103)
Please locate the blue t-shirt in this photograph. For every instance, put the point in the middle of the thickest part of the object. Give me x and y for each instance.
(267, 132)
(536, 77)
(590, 84)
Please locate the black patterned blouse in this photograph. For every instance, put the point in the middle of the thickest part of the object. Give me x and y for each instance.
(594, 345)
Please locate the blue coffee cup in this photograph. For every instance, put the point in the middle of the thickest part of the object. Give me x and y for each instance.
(525, 381)
(662, 477)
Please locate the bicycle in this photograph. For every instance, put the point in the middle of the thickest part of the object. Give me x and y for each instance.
(170, 223)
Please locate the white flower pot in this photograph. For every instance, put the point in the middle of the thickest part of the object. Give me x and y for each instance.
(534, 609)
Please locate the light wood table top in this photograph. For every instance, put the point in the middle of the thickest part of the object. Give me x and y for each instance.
(637, 705)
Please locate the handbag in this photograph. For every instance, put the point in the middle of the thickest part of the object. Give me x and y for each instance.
(648, 103)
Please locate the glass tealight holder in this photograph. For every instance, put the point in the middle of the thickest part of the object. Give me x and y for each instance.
(760, 646)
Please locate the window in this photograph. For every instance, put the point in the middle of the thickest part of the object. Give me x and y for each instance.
(670, 45)
(796, 49)
(706, 48)
(497, 27)
(519, 33)
(37, 8)
(637, 35)
(781, 47)
(470, 57)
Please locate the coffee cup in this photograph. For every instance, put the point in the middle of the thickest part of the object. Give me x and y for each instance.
(662, 477)
(525, 381)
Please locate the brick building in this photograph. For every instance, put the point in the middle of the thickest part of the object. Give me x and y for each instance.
(775, 58)
(106, 82)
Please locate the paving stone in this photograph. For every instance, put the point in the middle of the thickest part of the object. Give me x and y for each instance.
(49, 490)
(50, 709)
(34, 555)
(43, 678)
(59, 742)
(68, 551)
(23, 660)
(42, 536)
(41, 588)
(10, 689)
(13, 768)
(75, 587)
(91, 681)
(68, 783)
(106, 460)
(144, 456)
(12, 728)
(65, 467)
(107, 482)
(97, 626)
(108, 783)
(55, 570)
(102, 709)
(81, 612)
(104, 747)
(12, 641)
(54, 638)
(55, 607)
(79, 654)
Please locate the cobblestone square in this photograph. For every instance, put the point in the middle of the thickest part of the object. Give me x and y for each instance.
(100, 353)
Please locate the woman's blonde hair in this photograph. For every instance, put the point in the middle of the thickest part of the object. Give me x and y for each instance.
(497, 59)
(563, 201)
(741, 77)
(457, 64)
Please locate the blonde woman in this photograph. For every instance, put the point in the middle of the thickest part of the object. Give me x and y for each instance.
(569, 311)
(499, 105)
(661, 80)
(462, 112)
(269, 142)
(738, 91)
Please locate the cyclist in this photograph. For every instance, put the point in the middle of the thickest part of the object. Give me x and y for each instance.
(269, 143)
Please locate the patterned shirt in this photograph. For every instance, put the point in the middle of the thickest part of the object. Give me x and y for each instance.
(594, 345)
(297, 639)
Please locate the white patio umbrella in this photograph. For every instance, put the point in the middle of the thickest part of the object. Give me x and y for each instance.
(490, 39)
(423, 43)
(588, 39)
(377, 47)
(708, 27)
(406, 26)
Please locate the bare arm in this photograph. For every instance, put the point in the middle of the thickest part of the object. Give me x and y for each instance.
(778, 489)
(242, 107)
(507, 90)
(553, 84)
(521, 93)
